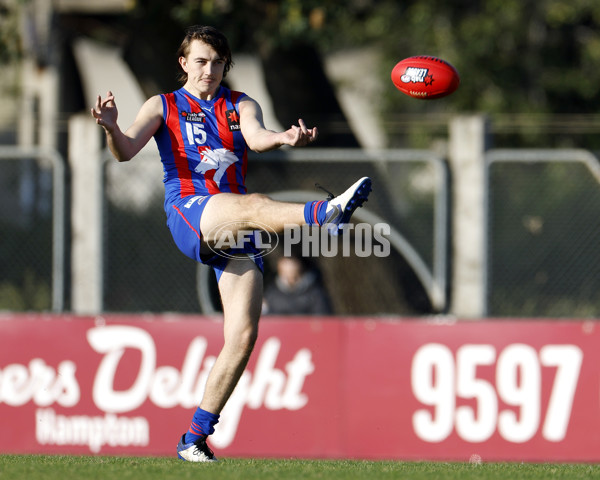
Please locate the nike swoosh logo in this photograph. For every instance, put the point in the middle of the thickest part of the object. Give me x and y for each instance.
(333, 212)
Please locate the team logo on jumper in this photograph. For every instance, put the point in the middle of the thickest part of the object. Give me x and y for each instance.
(233, 120)
(417, 75)
(219, 159)
(194, 117)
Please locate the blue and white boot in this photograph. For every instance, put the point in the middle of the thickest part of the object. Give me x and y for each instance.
(340, 208)
(197, 451)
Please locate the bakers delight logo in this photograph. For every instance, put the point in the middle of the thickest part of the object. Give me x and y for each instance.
(164, 386)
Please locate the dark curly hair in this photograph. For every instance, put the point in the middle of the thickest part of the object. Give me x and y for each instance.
(209, 35)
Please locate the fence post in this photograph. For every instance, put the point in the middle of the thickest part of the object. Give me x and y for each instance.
(468, 143)
(85, 159)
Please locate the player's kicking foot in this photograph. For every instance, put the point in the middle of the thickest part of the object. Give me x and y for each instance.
(341, 208)
(195, 452)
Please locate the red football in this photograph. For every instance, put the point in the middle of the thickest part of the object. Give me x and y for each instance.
(425, 77)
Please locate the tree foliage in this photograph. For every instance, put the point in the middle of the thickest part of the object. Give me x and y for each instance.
(513, 55)
(9, 33)
(528, 57)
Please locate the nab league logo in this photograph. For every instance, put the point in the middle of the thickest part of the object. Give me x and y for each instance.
(194, 117)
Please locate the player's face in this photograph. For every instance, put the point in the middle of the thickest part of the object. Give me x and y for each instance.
(204, 67)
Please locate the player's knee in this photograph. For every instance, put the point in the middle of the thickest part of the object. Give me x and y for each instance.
(244, 340)
(248, 340)
(255, 202)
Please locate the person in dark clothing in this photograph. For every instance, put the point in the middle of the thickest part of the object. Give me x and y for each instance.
(296, 290)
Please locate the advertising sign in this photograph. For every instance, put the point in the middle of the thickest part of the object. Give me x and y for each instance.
(373, 388)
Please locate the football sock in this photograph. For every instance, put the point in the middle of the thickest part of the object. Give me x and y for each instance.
(203, 424)
(315, 212)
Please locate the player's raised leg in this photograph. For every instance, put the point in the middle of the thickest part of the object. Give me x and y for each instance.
(231, 212)
(240, 212)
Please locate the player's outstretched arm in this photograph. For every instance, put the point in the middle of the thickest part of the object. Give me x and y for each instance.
(259, 139)
(124, 146)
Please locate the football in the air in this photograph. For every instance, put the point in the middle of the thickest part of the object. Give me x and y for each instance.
(425, 77)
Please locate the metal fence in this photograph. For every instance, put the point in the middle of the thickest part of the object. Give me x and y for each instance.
(145, 271)
(543, 229)
(32, 229)
(542, 226)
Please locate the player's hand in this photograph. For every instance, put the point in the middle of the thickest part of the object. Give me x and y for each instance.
(105, 111)
(299, 135)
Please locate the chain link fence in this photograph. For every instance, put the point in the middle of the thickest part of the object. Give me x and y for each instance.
(543, 233)
(146, 272)
(32, 227)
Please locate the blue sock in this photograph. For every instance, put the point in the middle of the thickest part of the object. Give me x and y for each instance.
(203, 424)
(315, 212)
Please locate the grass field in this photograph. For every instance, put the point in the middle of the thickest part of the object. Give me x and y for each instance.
(61, 467)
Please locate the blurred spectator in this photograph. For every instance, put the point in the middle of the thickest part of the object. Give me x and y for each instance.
(296, 290)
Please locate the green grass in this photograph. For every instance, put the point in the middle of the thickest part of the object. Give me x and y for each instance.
(61, 467)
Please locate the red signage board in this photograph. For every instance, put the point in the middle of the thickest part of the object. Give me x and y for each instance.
(373, 388)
